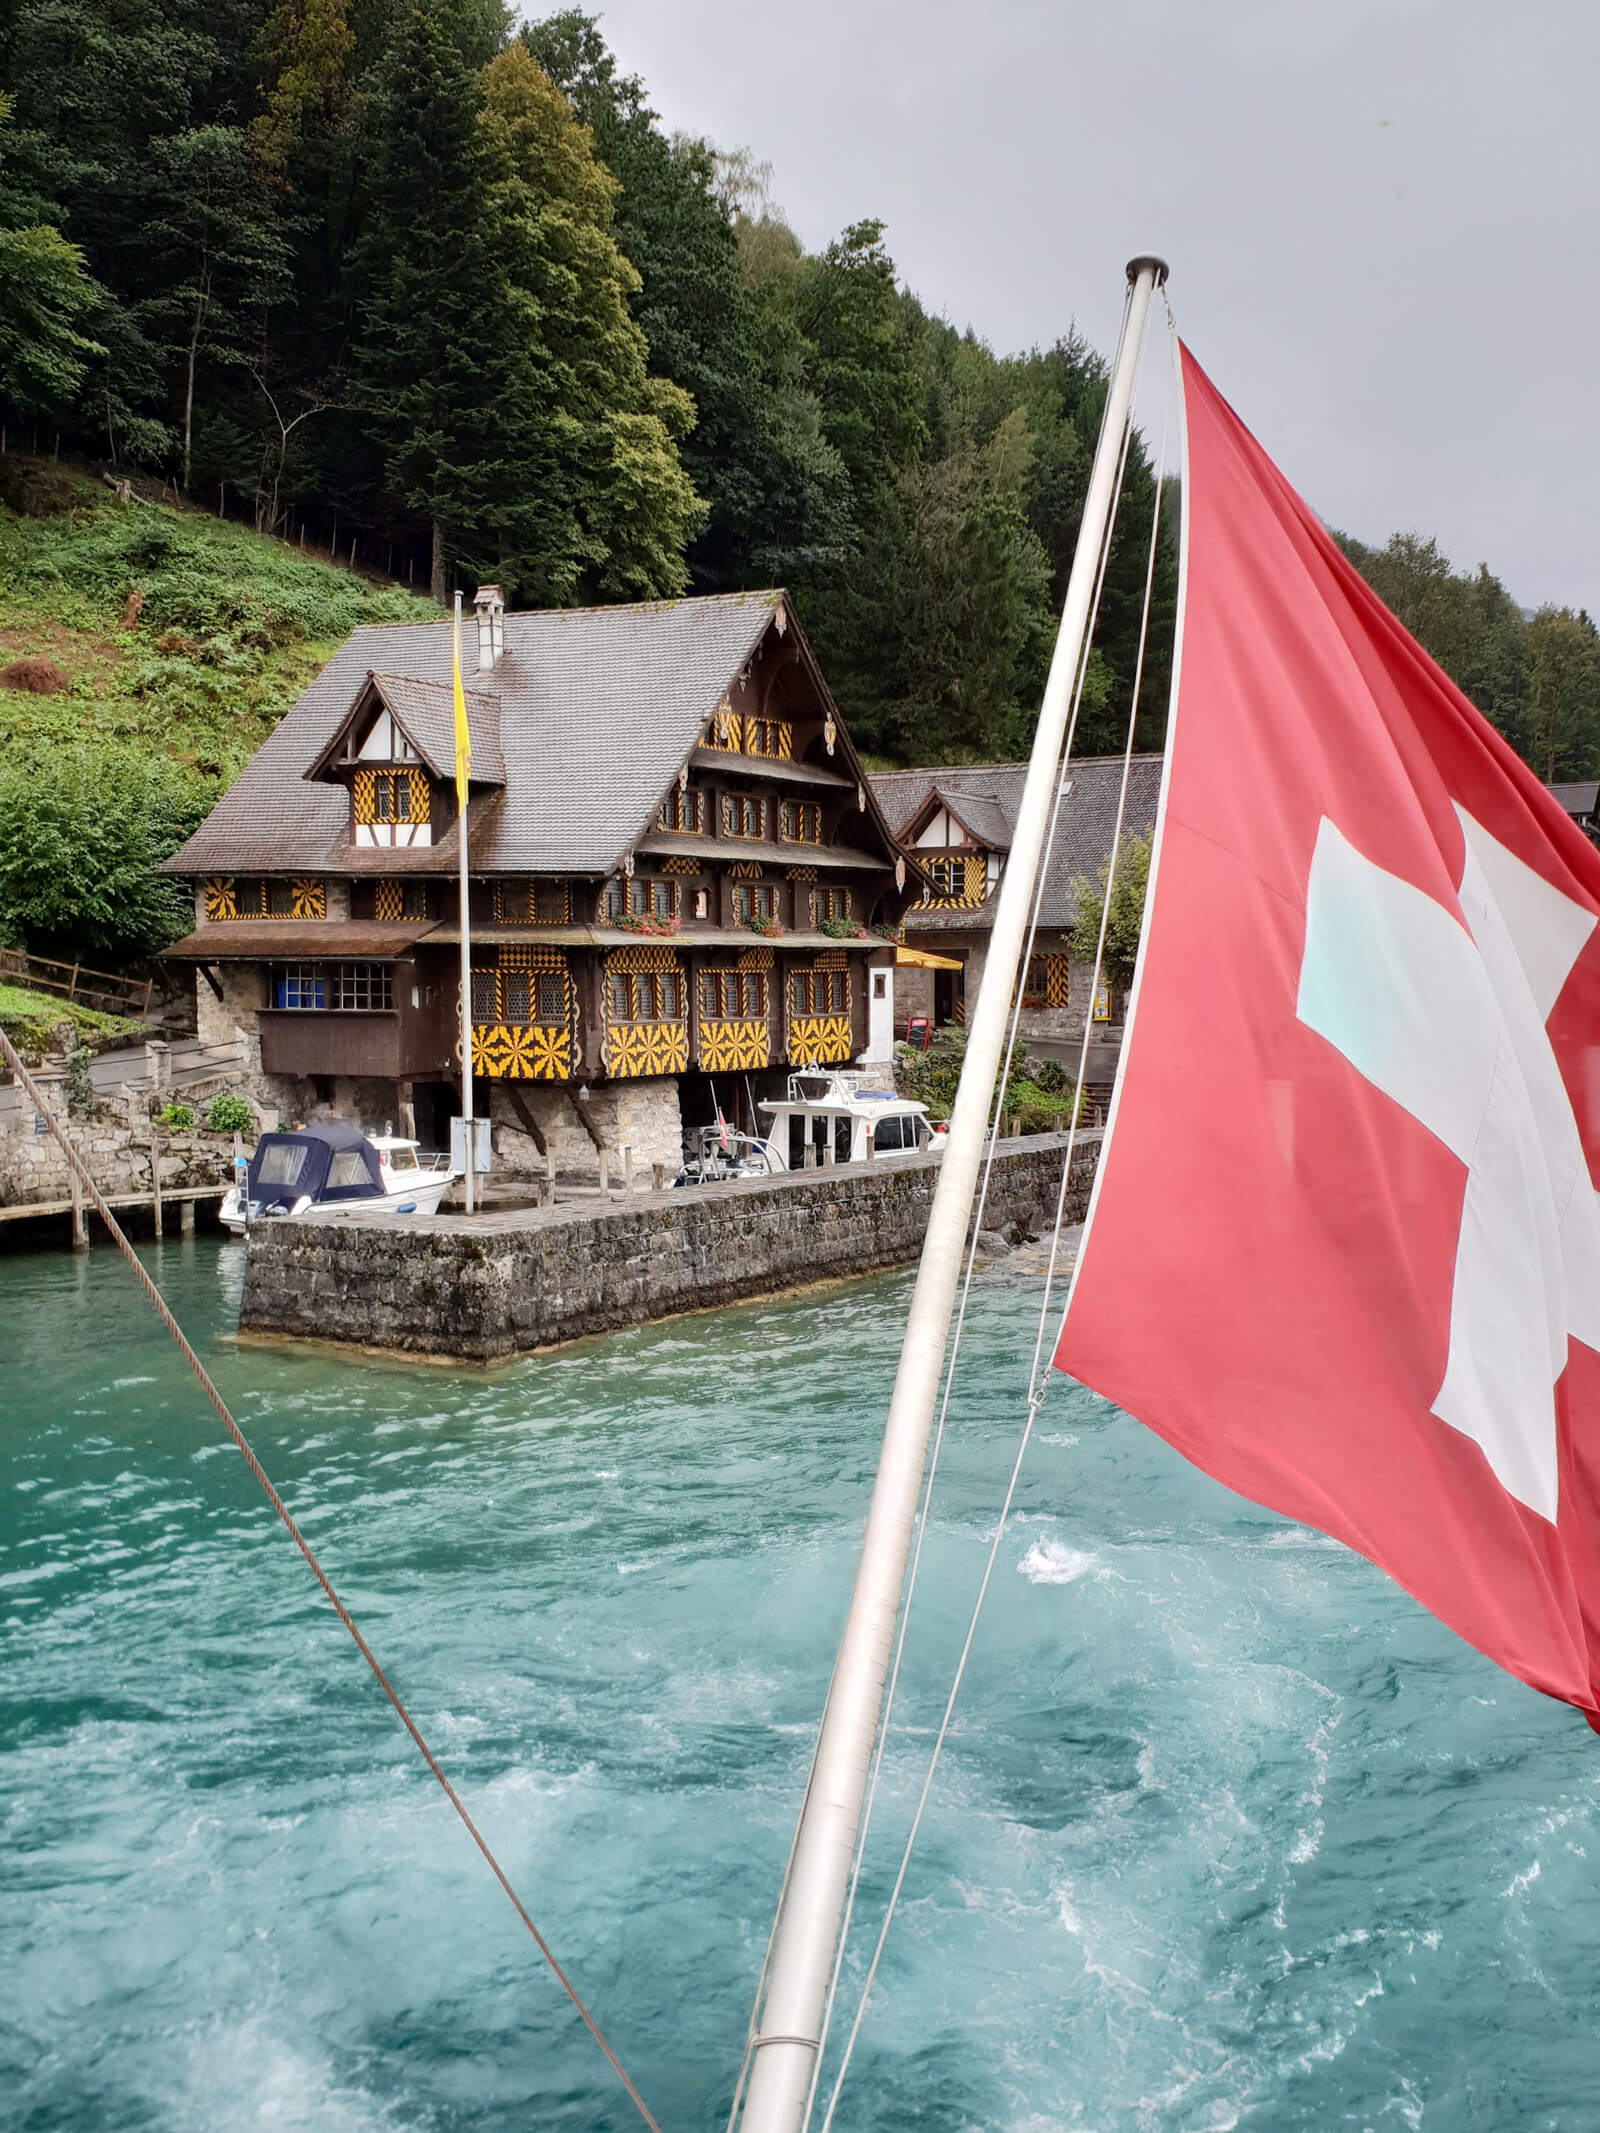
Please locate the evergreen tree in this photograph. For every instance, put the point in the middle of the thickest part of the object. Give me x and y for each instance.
(443, 374)
(609, 429)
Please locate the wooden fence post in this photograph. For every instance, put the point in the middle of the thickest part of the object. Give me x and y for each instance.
(155, 1176)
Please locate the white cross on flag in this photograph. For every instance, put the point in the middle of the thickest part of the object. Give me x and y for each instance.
(1344, 1250)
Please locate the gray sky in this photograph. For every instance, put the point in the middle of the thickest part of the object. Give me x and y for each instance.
(1381, 215)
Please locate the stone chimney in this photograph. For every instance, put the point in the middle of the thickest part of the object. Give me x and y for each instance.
(490, 610)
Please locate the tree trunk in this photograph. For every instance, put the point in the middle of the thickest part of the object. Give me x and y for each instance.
(436, 582)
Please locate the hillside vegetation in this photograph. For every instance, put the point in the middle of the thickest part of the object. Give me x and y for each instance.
(145, 653)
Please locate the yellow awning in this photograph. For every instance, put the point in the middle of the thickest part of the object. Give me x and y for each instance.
(921, 959)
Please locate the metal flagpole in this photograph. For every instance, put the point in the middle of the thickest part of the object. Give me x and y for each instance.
(466, 933)
(812, 1908)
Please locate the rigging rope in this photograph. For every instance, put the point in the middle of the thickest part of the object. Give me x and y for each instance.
(1036, 1386)
(120, 1240)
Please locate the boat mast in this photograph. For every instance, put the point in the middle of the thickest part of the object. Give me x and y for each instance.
(809, 1922)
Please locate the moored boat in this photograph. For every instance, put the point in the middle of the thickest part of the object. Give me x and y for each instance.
(335, 1165)
(828, 1117)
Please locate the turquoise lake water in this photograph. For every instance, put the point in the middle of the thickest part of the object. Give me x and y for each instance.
(1229, 1833)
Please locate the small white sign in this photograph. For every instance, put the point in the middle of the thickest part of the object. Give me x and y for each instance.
(480, 1146)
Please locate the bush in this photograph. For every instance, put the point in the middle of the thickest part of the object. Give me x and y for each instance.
(79, 1082)
(82, 831)
(177, 1118)
(228, 1114)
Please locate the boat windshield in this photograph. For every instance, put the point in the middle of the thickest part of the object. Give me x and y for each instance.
(348, 1168)
(402, 1159)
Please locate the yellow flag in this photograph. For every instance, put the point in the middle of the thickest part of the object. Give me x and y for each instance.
(463, 741)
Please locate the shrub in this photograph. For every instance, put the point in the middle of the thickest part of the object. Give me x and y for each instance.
(228, 1114)
(82, 831)
(177, 1118)
(79, 1081)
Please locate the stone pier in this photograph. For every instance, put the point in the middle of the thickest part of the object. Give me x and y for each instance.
(505, 1284)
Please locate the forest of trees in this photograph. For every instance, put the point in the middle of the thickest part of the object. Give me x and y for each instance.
(405, 272)
(401, 269)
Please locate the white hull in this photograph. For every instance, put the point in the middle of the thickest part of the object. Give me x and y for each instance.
(420, 1195)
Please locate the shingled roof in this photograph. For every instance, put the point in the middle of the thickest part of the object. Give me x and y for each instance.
(992, 792)
(597, 708)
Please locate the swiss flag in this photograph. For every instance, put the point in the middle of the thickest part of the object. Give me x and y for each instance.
(1344, 1248)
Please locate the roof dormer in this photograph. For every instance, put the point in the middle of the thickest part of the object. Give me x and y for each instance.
(395, 750)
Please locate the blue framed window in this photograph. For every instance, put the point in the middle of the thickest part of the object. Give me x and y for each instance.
(298, 985)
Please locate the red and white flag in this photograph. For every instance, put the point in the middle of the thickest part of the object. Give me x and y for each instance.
(1344, 1250)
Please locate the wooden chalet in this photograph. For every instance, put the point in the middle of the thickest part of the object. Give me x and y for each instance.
(958, 822)
(677, 865)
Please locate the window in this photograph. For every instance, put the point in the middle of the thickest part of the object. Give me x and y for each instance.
(485, 996)
(530, 903)
(819, 992)
(702, 903)
(644, 896)
(949, 878)
(279, 898)
(833, 903)
(733, 996)
(297, 985)
(282, 1163)
(755, 899)
(516, 990)
(880, 984)
(1035, 983)
(348, 1167)
(741, 815)
(768, 736)
(683, 810)
(645, 995)
(393, 797)
(887, 1136)
(361, 988)
(800, 822)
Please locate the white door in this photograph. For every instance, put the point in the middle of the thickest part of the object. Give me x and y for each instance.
(880, 1015)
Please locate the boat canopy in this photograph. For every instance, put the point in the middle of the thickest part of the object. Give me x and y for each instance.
(320, 1163)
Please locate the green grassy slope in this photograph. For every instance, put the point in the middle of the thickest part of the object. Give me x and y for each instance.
(176, 632)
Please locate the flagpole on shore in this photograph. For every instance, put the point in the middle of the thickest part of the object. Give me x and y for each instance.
(790, 2012)
(463, 759)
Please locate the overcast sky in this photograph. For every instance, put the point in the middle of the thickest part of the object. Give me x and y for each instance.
(1380, 214)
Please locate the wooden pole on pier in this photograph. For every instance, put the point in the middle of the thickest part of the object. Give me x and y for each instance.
(155, 1176)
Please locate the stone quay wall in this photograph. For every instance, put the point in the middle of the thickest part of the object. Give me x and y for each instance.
(505, 1284)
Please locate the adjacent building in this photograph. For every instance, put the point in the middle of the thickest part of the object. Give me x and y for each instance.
(958, 823)
(681, 881)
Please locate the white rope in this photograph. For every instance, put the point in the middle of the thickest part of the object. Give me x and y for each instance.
(1037, 1389)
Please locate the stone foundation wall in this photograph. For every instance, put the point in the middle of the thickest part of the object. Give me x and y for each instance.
(33, 1169)
(641, 1115)
(504, 1284)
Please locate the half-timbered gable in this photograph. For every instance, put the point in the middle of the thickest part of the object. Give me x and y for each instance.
(958, 822)
(678, 870)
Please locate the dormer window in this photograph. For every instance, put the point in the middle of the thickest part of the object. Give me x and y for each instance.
(391, 805)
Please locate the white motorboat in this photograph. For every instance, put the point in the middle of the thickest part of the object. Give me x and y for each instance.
(336, 1165)
(827, 1116)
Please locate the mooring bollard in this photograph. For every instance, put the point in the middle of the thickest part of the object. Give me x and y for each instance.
(80, 1228)
(658, 1177)
(605, 1178)
(627, 1170)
